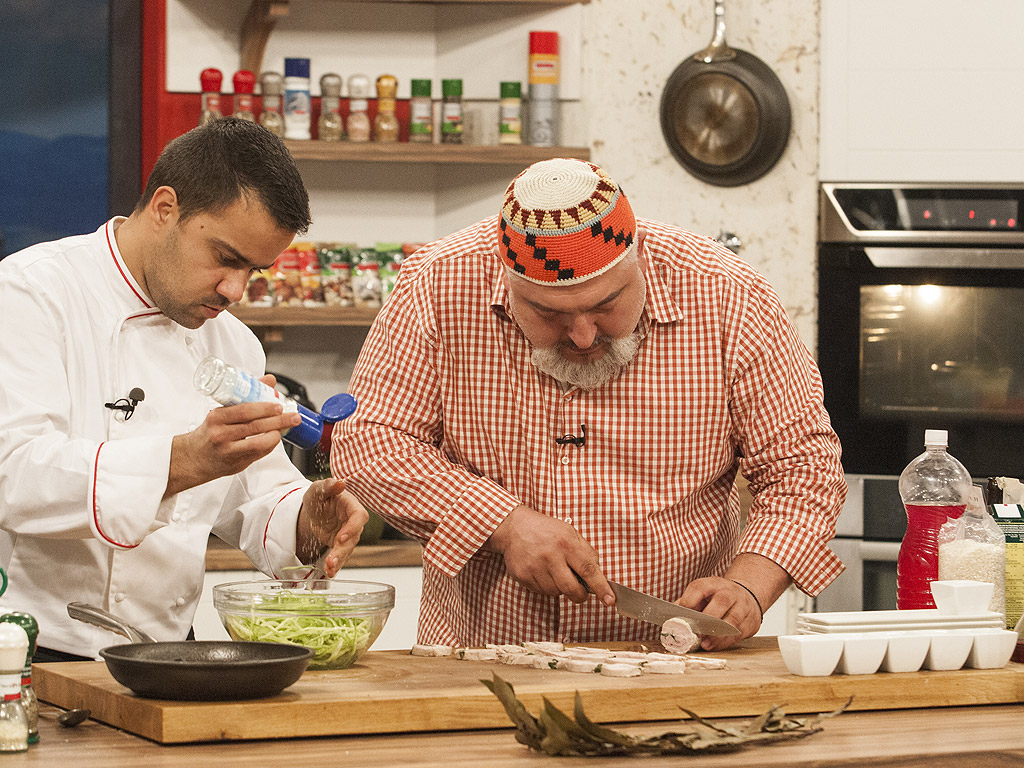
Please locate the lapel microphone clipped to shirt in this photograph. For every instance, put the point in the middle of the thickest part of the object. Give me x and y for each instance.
(579, 442)
(127, 404)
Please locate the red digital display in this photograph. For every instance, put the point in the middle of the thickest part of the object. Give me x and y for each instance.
(951, 214)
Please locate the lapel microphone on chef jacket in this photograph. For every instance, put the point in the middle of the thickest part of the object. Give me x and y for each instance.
(127, 404)
(579, 442)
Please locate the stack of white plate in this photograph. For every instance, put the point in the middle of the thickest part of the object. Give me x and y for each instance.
(881, 621)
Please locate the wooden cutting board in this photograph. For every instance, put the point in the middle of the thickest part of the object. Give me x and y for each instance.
(393, 692)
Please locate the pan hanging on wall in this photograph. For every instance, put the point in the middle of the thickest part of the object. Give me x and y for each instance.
(724, 113)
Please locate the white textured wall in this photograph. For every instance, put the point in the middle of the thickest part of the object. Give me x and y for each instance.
(630, 49)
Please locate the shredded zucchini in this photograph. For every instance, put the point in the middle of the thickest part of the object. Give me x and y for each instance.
(336, 641)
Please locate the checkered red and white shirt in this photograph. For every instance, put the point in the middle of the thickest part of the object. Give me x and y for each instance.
(456, 427)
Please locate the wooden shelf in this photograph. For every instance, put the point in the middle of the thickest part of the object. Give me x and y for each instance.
(292, 316)
(263, 15)
(371, 152)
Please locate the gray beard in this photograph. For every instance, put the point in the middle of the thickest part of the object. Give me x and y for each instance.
(590, 375)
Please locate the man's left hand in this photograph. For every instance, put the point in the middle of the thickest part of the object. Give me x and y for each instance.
(723, 599)
(330, 517)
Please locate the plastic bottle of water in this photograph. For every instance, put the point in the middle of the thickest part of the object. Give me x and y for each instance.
(934, 488)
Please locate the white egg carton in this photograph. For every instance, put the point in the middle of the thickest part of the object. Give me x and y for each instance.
(865, 653)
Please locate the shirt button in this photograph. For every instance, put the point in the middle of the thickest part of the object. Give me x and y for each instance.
(120, 596)
(568, 521)
(564, 459)
(179, 602)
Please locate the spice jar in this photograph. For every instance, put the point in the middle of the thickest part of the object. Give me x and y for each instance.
(13, 719)
(451, 111)
(329, 126)
(244, 82)
(296, 99)
(358, 119)
(421, 113)
(210, 80)
(510, 125)
(28, 695)
(385, 125)
(272, 86)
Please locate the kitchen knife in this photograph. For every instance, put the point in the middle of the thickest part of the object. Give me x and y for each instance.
(637, 605)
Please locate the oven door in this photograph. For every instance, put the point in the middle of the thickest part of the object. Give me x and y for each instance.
(913, 338)
(869, 581)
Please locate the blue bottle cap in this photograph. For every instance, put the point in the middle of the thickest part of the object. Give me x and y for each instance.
(338, 407)
(306, 434)
(296, 67)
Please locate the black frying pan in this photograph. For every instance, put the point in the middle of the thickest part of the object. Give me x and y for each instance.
(724, 113)
(199, 670)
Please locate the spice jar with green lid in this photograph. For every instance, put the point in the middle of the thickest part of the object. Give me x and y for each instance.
(451, 111)
(510, 125)
(421, 112)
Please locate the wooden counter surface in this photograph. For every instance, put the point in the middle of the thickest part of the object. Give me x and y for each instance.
(398, 552)
(960, 737)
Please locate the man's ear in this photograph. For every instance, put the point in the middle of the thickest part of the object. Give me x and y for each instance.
(163, 206)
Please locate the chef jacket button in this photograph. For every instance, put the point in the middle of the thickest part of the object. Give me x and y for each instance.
(191, 427)
(564, 459)
(176, 517)
(179, 602)
(120, 596)
(189, 341)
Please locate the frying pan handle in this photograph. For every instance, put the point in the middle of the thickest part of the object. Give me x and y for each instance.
(718, 49)
(90, 614)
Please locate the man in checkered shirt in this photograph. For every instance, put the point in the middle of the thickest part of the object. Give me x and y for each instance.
(563, 389)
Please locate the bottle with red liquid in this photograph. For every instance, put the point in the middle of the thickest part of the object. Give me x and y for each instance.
(934, 488)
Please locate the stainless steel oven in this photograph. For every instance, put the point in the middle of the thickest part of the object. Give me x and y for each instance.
(920, 326)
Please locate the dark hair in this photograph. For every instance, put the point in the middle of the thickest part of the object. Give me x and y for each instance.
(212, 166)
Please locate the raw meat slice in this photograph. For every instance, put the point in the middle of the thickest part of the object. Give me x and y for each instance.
(678, 637)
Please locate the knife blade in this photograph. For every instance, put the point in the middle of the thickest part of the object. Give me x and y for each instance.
(637, 605)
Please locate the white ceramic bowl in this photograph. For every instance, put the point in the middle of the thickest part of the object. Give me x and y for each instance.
(862, 653)
(811, 655)
(948, 648)
(992, 648)
(958, 598)
(906, 651)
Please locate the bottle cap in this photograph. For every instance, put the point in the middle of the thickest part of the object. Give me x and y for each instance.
(244, 81)
(338, 407)
(306, 434)
(451, 87)
(270, 83)
(939, 437)
(210, 78)
(544, 42)
(27, 622)
(330, 84)
(358, 86)
(511, 90)
(420, 87)
(296, 67)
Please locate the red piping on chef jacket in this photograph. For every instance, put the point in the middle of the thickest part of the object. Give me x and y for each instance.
(271, 517)
(95, 511)
(113, 253)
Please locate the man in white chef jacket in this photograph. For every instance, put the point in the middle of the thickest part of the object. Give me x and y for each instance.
(114, 505)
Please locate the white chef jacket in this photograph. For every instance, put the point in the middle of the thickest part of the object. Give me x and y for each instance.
(81, 509)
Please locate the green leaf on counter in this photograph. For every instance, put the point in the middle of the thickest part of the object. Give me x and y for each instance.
(555, 733)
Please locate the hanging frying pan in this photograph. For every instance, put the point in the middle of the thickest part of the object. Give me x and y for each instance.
(724, 113)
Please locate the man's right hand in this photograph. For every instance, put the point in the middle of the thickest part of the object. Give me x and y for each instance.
(545, 555)
(229, 440)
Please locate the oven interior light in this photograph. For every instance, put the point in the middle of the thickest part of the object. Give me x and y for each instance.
(929, 294)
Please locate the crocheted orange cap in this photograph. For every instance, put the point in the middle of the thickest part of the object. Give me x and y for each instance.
(564, 221)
